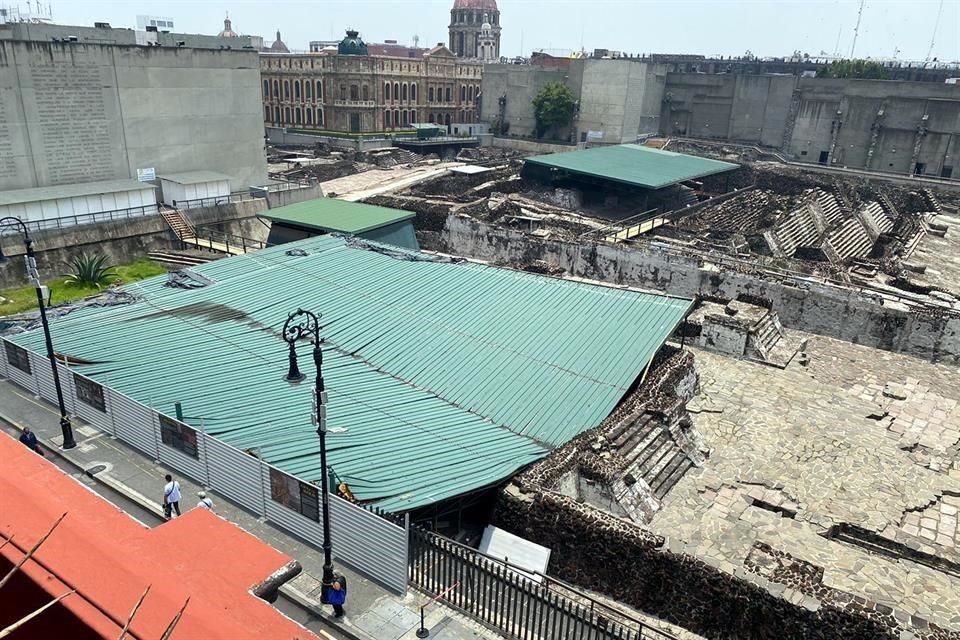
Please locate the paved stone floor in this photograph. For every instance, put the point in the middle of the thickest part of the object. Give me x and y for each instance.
(375, 181)
(941, 255)
(858, 436)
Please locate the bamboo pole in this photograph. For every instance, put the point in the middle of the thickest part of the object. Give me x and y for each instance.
(30, 553)
(136, 607)
(22, 621)
(173, 623)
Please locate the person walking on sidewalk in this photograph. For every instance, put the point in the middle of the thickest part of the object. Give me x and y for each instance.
(205, 502)
(171, 497)
(337, 596)
(29, 440)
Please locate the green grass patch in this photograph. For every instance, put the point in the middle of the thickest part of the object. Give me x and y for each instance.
(22, 299)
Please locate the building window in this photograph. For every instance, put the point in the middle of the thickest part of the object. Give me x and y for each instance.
(286, 115)
(470, 93)
(266, 89)
(296, 115)
(355, 122)
(386, 119)
(354, 92)
(309, 114)
(299, 496)
(403, 92)
(286, 89)
(308, 89)
(89, 392)
(396, 118)
(276, 90)
(396, 90)
(430, 118)
(366, 92)
(179, 436)
(276, 115)
(405, 117)
(320, 117)
(386, 90)
(18, 357)
(413, 117)
(296, 89)
(447, 93)
(463, 93)
(266, 113)
(430, 94)
(413, 92)
(446, 119)
(319, 90)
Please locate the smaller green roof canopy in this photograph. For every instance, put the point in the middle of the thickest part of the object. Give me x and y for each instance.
(336, 216)
(633, 164)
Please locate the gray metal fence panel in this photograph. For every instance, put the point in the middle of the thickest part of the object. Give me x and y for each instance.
(3, 360)
(93, 415)
(22, 378)
(360, 538)
(193, 467)
(369, 543)
(43, 377)
(134, 423)
(235, 474)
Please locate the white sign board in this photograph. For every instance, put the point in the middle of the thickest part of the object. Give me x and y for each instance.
(594, 136)
(517, 551)
(146, 175)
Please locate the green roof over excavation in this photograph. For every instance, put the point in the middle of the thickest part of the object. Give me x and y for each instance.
(632, 164)
(336, 216)
(443, 376)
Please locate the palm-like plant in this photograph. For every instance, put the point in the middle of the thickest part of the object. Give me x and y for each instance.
(90, 270)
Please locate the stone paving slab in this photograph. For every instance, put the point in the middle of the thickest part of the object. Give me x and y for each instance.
(794, 453)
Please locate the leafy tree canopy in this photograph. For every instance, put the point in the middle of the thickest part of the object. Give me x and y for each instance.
(553, 107)
(863, 69)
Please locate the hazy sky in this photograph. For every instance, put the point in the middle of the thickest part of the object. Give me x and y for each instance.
(727, 27)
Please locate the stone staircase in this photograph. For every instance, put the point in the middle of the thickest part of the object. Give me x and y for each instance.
(798, 229)
(653, 456)
(932, 201)
(830, 207)
(877, 214)
(765, 335)
(850, 240)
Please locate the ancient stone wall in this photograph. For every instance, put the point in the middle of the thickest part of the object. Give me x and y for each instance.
(805, 304)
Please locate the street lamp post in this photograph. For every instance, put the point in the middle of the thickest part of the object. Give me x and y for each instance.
(305, 324)
(65, 427)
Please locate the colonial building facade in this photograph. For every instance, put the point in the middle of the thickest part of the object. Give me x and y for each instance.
(353, 91)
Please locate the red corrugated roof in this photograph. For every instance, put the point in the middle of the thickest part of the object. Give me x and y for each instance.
(110, 558)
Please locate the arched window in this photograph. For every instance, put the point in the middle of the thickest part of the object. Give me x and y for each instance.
(276, 115)
(286, 89)
(319, 90)
(396, 117)
(430, 94)
(405, 116)
(396, 90)
(463, 93)
(446, 119)
(320, 117)
(308, 90)
(430, 118)
(403, 92)
(386, 119)
(413, 92)
(296, 115)
(266, 113)
(354, 92)
(286, 115)
(309, 114)
(266, 89)
(470, 93)
(366, 92)
(413, 117)
(276, 90)
(447, 93)
(296, 89)
(386, 90)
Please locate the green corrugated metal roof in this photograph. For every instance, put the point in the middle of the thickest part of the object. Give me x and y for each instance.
(334, 215)
(446, 376)
(633, 164)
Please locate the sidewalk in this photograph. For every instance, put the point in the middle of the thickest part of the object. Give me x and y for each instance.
(373, 612)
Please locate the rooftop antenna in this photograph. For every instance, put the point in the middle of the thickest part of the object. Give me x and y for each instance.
(416, 41)
(933, 37)
(856, 29)
(836, 47)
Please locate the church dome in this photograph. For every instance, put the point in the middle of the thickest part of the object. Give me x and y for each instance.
(352, 45)
(228, 31)
(489, 5)
(279, 46)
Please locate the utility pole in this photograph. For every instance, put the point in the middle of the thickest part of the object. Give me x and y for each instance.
(936, 25)
(856, 29)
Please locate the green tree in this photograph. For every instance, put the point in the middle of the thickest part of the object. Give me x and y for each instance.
(862, 69)
(553, 108)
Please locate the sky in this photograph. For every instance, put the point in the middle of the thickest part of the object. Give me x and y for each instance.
(888, 28)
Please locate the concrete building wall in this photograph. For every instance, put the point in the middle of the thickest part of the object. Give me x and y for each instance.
(520, 84)
(871, 124)
(74, 112)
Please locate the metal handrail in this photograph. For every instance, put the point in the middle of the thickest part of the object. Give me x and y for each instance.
(91, 218)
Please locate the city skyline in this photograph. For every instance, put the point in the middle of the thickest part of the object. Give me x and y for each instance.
(887, 29)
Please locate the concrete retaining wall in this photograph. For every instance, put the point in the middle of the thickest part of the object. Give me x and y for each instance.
(811, 306)
(279, 135)
(123, 241)
(532, 146)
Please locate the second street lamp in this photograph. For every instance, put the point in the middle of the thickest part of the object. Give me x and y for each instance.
(303, 324)
(66, 429)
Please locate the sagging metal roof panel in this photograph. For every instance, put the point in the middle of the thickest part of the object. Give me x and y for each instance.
(337, 216)
(444, 376)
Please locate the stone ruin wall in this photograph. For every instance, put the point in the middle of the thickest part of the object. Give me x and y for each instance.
(833, 311)
(772, 596)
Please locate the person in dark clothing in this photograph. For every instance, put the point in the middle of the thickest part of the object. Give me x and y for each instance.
(337, 596)
(29, 439)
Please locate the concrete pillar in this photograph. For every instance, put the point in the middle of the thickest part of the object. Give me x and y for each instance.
(918, 140)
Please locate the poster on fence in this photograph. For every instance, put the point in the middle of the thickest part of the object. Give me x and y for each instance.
(293, 494)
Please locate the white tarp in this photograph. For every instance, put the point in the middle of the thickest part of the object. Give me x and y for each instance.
(517, 551)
